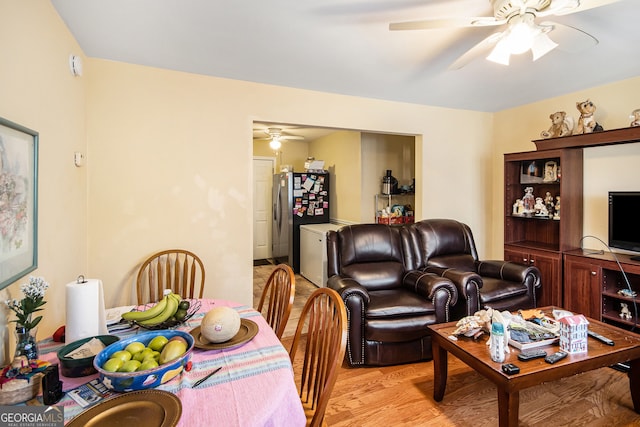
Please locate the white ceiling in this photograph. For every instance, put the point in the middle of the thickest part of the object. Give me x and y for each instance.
(345, 47)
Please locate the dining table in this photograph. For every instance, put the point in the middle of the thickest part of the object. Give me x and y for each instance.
(253, 385)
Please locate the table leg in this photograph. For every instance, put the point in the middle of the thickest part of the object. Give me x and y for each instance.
(439, 370)
(508, 406)
(634, 383)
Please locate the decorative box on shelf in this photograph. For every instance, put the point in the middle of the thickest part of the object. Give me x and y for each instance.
(573, 334)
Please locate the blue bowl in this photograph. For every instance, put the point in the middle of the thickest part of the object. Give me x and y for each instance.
(141, 380)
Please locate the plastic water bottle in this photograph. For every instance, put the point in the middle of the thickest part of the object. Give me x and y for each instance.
(497, 342)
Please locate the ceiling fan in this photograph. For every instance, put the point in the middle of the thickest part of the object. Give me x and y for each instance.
(275, 136)
(522, 33)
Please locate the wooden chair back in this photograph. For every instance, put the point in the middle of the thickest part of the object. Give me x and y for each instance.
(176, 269)
(318, 350)
(277, 298)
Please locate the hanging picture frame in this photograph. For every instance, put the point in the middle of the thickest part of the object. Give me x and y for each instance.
(18, 201)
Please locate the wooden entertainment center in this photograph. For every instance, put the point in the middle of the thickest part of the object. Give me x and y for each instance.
(580, 281)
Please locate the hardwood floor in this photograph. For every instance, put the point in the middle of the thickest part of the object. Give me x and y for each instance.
(403, 395)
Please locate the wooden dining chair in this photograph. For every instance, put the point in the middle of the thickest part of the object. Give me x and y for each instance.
(277, 298)
(317, 351)
(176, 269)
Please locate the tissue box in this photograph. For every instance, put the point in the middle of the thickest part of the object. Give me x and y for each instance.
(573, 334)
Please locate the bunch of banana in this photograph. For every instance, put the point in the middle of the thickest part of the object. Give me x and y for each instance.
(164, 310)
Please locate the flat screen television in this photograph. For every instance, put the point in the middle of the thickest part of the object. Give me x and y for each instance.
(624, 223)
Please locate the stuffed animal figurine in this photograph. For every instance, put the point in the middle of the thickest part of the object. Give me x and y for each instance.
(561, 125)
(587, 123)
(625, 313)
(635, 117)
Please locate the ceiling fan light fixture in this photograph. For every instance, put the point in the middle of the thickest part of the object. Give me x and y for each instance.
(521, 36)
(542, 45)
(275, 143)
(500, 53)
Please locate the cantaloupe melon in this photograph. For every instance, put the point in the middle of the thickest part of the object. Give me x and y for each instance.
(220, 324)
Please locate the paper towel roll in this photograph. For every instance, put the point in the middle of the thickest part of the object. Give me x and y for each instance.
(85, 310)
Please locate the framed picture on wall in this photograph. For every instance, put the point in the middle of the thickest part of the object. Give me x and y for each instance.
(18, 201)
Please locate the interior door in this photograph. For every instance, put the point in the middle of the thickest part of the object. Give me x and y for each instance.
(263, 168)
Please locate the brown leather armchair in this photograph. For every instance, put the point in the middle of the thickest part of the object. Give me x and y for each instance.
(446, 247)
(388, 307)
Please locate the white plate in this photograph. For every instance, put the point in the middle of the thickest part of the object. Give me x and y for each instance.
(114, 315)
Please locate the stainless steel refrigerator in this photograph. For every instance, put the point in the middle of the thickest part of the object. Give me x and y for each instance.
(298, 198)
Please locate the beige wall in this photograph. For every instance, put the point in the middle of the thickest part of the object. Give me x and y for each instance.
(341, 153)
(292, 153)
(38, 91)
(182, 144)
(605, 168)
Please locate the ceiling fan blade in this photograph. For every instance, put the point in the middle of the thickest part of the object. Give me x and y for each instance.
(432, 24)
(481, 49)
(300, 138)
(565, 7)
(570, 39)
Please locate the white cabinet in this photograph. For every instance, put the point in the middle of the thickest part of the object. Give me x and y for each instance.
(313, 252)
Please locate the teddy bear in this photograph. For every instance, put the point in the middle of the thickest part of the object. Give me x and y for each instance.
(635, 117)
(587, 123)
(561, 125)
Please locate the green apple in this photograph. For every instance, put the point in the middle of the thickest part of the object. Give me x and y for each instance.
(122, 355)
(158, 342)
(134, 347)
(148, 364)
(155, 355)
(130, 366)
(141, 355)
(112, 365)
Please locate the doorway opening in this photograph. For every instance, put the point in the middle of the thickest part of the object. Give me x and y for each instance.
(356, 161)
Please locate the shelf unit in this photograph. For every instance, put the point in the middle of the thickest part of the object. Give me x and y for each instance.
(581, 282)
(536, 240)
(383, 201)
(604, 279)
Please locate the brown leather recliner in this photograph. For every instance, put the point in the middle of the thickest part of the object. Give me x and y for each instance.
(446, 247)
(388, 306)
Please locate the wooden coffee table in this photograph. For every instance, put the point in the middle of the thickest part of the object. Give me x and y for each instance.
(476, 355)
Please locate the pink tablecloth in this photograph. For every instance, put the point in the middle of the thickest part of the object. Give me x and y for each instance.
(254, 387)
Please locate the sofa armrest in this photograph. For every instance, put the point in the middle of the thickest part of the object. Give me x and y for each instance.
(356, 300)
(427, 285)
(348, 287)
(511, 271)
(439, 290)
(467, 283)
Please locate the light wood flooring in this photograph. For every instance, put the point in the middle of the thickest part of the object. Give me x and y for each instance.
(403, 395)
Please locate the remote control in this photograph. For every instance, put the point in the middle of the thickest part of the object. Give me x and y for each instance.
(510, 369)
(531, 354)
(600, 338)
(553, 358)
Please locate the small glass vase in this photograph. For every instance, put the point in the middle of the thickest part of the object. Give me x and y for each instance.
(26, 344)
